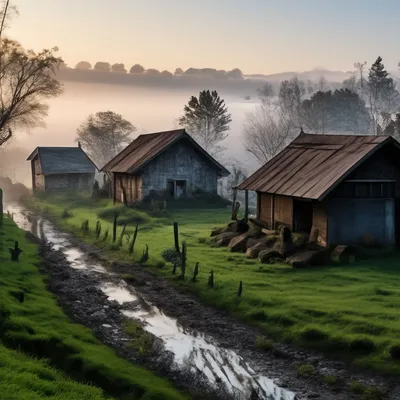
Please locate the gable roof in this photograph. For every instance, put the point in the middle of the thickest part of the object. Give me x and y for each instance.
(63, 160)
(146, 147)
(312, 165)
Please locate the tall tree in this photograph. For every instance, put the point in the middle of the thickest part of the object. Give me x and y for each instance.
(102, 66)
(85, 65)
(382, 95)
(207, 119)
(118, 67)
(26, 78)
(104, 135)
(136, 69)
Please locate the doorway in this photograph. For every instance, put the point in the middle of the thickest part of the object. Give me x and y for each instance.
(176, 188)
(302, 215)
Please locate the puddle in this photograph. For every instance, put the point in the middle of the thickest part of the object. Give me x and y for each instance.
(190, 348)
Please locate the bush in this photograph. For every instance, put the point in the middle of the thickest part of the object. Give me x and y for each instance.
(395, 351)
(382, 292)
(330, 379)
(263, 343)
(313, 334)
(363, 345)
(172, 256)
(305, 370)
(126, 215)
(357, 387)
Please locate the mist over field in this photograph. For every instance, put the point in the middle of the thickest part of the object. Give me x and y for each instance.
(149, 109)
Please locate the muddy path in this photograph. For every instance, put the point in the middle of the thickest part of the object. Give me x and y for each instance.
(159, 305)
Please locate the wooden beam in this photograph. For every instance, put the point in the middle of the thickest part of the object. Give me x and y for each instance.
(246, 205)
(273, 212)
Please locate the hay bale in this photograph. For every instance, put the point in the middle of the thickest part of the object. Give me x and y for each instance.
(238, 243)
(269, 256)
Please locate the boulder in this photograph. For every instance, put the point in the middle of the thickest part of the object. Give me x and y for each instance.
(238, 243)
(268, 256)
(218, 231)
(259, 223)
(223, 239)
(284, 246)
(307, 258)
(269, 232)
(299, 239)
(234, 226)
(343, 254)
(254, 251)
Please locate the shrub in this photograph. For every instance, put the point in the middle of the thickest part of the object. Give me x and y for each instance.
(395, 351)
(305, 370)
(357, 387)
(263, 343)
(362, 345)
(172, 256)
(382, 292)
(126, 215)
(313, 334)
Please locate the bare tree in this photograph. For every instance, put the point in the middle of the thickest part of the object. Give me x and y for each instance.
(8, 11)
(26, 78)
(267, 131)
(266, 93)
(104, 135)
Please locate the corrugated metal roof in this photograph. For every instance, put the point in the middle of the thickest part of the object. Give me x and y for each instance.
(146, 147)
(63, 160)
(311, 165)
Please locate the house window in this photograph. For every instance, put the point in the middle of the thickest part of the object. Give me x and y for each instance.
(366, 189)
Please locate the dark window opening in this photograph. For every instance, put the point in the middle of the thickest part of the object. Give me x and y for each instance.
(176, 188)
(302, 215)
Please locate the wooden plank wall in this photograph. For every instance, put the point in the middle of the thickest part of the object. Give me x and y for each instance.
(320, 222)
(132, 185)
(265, 206)
(283, 211)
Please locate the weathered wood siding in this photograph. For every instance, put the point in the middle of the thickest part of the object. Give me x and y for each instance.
(320, 222)
(283, 211)
(37, 176)
(132, 185)
(265, 208)
(180, 162)
(68, 182)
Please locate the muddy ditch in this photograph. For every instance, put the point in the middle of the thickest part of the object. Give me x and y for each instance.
(198, 346)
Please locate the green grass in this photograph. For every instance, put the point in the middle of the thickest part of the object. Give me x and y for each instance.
(45, 355)
(350, 312)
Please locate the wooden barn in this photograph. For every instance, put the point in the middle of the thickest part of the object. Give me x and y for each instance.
(61, 168)
(170, 162)
(346, 189)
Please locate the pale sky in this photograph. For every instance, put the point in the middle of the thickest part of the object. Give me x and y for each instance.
(257, 36)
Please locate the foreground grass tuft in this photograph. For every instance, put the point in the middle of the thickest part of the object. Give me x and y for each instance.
(45, 355)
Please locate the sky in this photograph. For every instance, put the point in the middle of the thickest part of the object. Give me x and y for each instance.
(257, 36)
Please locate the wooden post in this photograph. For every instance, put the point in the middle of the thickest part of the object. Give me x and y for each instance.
(176, 237)
(234, 203)
(1, 206)
(246, 205)
(273, 212)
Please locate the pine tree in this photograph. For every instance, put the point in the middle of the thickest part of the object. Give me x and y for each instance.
(383, 95)
(207, 119)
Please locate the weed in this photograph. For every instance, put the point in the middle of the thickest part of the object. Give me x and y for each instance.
(306, 370)
(264, 344)
(330, 379)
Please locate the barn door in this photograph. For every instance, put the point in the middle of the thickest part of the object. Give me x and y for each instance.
(389, 221)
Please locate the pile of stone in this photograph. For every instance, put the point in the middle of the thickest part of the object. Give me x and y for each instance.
(280, 245)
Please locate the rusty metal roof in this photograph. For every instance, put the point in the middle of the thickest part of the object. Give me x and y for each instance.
(146, 147)
(312, 165)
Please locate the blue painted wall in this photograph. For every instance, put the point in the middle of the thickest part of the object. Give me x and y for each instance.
(350, 219)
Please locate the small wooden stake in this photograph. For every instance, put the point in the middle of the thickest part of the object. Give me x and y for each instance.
(132, 244)
(176, 237)
(240, 288)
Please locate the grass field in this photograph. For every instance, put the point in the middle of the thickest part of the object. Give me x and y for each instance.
(44, 355)
(351, 312)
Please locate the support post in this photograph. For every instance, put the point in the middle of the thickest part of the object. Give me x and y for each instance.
(234, 203)
(246, 205)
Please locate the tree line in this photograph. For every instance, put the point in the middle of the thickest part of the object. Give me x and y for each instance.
(102, 66)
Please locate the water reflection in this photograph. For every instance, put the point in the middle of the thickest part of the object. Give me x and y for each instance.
(190, 348)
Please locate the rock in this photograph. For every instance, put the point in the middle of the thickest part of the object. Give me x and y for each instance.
(285, 245)
(258, 222)
(343, 254)
(223, 239)
(252, 242)
(267, 256)
(308, 258)
(299, 239)
(269, 232)
(240, 226)
(238, 243)
(218, 231)
(254, 251)
(313, 235)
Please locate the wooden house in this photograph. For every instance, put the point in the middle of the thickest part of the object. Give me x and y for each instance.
(344, 188)
(61, 168)
(169, 162)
